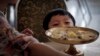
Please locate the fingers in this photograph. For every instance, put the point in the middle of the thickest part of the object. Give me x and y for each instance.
(20, 43)
(19, 38)
(27, 31)
(23, 41)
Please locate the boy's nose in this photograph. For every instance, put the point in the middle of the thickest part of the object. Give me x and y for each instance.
(64, 25)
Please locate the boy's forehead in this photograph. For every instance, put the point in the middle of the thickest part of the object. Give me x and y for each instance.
(58, 17)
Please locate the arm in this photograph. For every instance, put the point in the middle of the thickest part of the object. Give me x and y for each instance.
(41, 49)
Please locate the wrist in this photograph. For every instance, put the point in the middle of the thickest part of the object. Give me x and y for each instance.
(33, 45)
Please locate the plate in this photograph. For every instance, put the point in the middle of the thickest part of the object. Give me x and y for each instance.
(72, 35)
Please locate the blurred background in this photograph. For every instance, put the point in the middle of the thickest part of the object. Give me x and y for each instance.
(87, 14)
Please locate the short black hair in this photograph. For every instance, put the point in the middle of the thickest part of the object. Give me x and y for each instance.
(53, 13)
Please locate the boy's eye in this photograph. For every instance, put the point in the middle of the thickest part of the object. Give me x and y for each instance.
(55, 24)
(67, 22)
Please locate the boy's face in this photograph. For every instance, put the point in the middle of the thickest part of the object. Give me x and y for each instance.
(60, 21)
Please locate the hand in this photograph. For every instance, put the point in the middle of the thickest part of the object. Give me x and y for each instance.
(27, 31)
(29, 34)
(25, 38)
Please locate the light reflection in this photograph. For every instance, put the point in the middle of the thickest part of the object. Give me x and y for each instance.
(84, 47)
(12, 15)
(83, 24)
